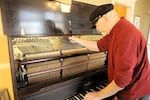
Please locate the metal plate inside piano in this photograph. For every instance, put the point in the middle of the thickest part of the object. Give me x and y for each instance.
(38, 72)
(74, 65)
(30, 48)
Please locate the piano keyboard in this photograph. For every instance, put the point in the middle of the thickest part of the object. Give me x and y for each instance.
(80, 96)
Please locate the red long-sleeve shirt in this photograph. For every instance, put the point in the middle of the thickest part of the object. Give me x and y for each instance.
(128, 62)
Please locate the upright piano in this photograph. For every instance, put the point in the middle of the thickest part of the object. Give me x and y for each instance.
(45, 64)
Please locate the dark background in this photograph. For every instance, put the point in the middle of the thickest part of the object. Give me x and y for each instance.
(33, 17)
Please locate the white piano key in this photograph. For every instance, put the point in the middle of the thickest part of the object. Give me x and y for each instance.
(98, 88)
(80, 98)
(95, 89)
(73, 98)
(87, 91)
(101, 86)
(81, 95)
(76, 98)
(92, 90)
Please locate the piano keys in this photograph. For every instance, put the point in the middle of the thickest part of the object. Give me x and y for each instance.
(97, 87)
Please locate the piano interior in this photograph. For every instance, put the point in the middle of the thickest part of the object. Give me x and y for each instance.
(56, 68)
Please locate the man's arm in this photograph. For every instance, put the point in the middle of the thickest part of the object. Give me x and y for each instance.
(108, 91)
(91, 45)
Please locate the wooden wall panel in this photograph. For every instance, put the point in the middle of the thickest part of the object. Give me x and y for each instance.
(122, 10)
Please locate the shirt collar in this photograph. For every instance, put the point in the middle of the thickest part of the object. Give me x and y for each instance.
(116, 27)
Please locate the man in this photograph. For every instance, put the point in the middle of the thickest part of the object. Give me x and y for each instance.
(128, 66)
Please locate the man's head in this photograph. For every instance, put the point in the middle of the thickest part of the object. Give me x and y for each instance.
(99, 12)
(104, 17)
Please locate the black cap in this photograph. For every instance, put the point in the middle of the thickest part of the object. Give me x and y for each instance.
(99, 12)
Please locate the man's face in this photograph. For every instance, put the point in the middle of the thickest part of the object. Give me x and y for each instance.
(100, 25)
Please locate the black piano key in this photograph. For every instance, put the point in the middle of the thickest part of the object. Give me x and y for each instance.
(99, 88)
(104, 84)
(76, 97)
(95, 89)
(73, 98)
(84, 93)
(70, 98)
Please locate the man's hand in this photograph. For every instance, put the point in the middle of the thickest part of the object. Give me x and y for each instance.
(91, 45)
(92, 96)
(111, 89)
(73, 39)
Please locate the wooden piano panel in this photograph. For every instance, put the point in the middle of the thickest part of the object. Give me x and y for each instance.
(42, 55)
(69, 88)
(43, 71)
(74, 51)
(74, 65)
(96, 60)
(54, 75)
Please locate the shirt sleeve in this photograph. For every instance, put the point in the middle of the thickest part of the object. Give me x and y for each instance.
(103, 43)
(125, 58)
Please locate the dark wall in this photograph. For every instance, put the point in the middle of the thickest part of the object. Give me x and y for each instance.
(35, 18)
